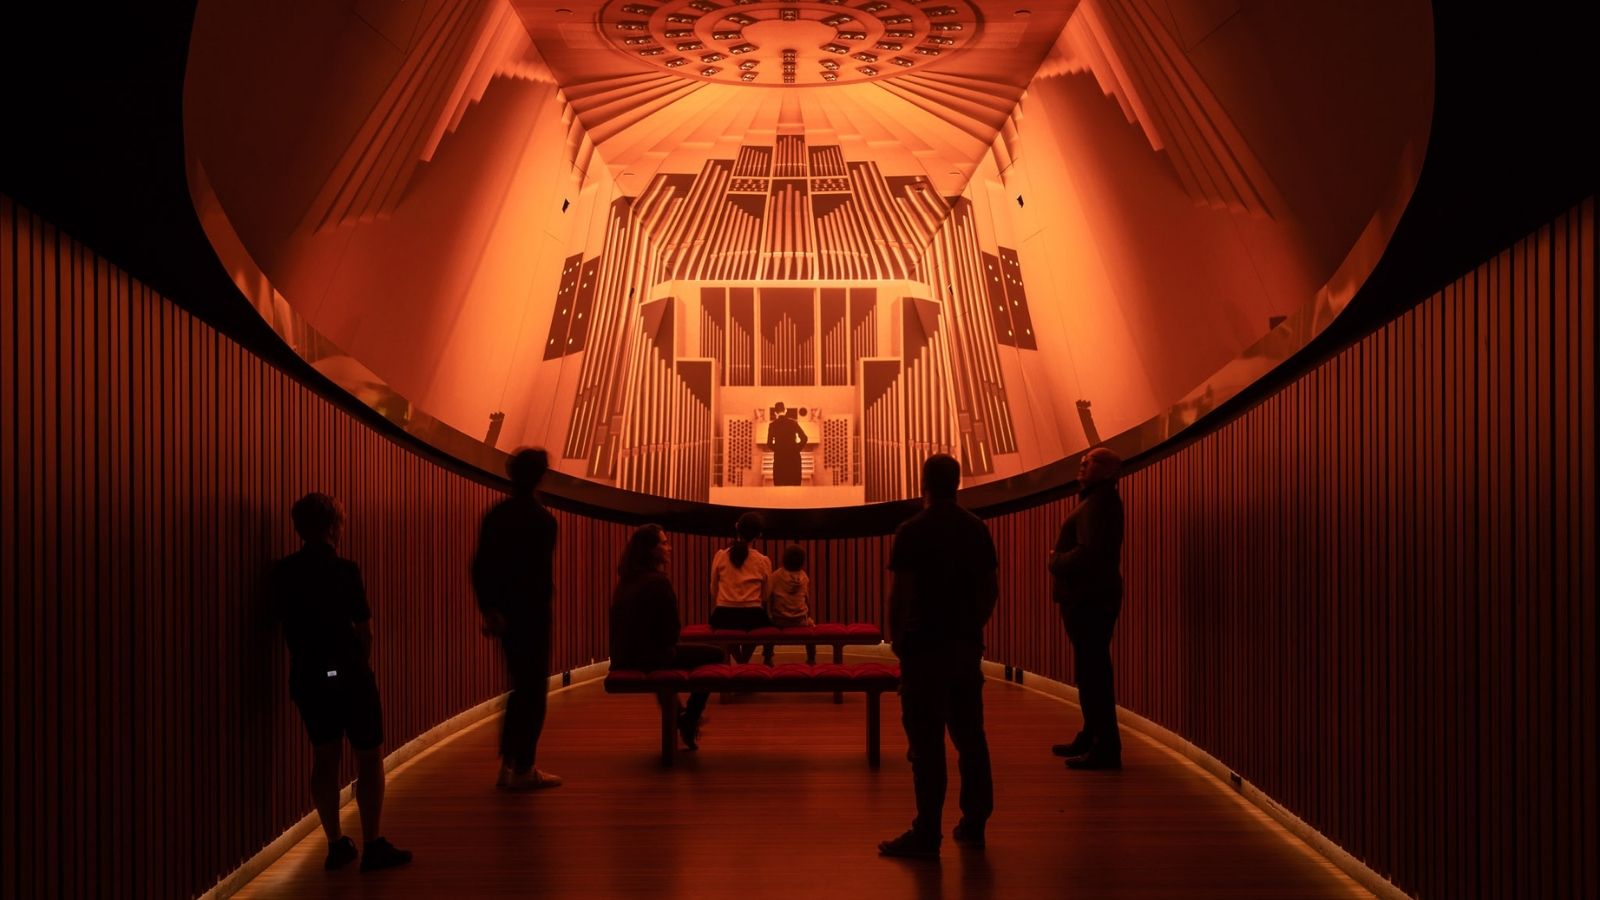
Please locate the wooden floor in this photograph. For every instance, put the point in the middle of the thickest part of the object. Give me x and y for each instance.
(779, 802)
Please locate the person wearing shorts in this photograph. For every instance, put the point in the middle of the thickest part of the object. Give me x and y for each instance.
(319, 599)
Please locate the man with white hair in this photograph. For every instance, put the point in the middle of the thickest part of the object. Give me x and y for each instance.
(1086, 569)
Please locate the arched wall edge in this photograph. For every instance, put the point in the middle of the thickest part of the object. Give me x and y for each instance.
(1265, 361)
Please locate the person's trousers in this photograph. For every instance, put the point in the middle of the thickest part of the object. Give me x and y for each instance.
(1090, 627)
(527, 652)
(740, 618)
(688, 656)
(940, 692)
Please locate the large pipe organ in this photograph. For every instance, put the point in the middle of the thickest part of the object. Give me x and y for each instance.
(787, 283)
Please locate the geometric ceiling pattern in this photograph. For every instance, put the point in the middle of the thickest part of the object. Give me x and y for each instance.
(789, 42)
(969, 63)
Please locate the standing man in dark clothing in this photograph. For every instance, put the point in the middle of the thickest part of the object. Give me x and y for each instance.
(1086, 569)
(513, 575)
(320, 601)
(944, 589)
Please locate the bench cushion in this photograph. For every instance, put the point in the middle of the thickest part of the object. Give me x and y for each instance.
(871, 676)
(857, 632)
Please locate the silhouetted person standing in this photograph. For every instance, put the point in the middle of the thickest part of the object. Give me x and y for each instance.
(944, 591)
(1086, 568)
(320, 601)
(785, 439)
(514, 577)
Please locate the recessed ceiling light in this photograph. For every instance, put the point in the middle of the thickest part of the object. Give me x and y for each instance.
(1023, 13)
(563, 11)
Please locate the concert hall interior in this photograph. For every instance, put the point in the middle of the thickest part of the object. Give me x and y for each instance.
(1321, 274)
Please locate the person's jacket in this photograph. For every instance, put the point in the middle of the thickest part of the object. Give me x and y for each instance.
(1086, 567)
(644, 621)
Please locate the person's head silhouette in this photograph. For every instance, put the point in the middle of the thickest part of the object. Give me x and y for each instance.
(526, 469)
(941, 475)
(318, 519)
(1099, 465)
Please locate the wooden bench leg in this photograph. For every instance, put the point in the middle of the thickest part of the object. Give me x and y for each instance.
(838, 660)
(872, 728)
(811, 654)
(669, 725)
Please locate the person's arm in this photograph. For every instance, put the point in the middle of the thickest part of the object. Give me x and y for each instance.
(800, 436)
(1098, 540)
(487, 576)
(664, 612)
(988, 593)
(360, 614)
(900, 600)
(364, 636)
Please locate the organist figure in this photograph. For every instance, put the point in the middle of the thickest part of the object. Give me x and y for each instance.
(785, 439)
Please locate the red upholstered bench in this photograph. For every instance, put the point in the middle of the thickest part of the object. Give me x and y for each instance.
(870, 678)
(838, 636)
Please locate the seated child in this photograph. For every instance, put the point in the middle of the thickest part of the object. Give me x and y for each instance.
(788, 590)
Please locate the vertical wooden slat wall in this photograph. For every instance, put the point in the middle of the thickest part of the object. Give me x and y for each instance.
(149, 746)
(1371, 595)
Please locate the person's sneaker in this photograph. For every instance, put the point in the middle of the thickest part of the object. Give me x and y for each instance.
(967, 833)
(380, 854)
(911, 845)
(1077, 747)
(532, 780)
(505, 777)
(1094, 761)
(341, 853)
(689, 729)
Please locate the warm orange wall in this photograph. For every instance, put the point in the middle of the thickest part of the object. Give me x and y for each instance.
(446, 296)
(1141, 289)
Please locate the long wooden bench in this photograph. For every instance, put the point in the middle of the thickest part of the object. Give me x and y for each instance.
(869, 678)
(836, 636)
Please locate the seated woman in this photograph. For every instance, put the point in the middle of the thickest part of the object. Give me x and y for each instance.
(739, 584)
(644, 621)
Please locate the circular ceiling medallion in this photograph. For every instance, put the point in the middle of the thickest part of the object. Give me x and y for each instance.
(790, 42)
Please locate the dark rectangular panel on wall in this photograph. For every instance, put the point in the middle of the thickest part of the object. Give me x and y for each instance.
(788, 336)
(995, 290)
(583, 306)
(714, 328)
(1016, 299)
(831, 304)
(555, 345)
(863, 326)
(742, 336)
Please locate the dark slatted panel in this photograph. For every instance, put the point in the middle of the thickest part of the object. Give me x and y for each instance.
(1373, 594)
(149, 465)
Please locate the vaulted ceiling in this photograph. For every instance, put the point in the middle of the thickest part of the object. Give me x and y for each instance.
(926, 85)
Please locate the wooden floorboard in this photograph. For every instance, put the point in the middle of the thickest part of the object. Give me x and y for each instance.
(779, 802)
